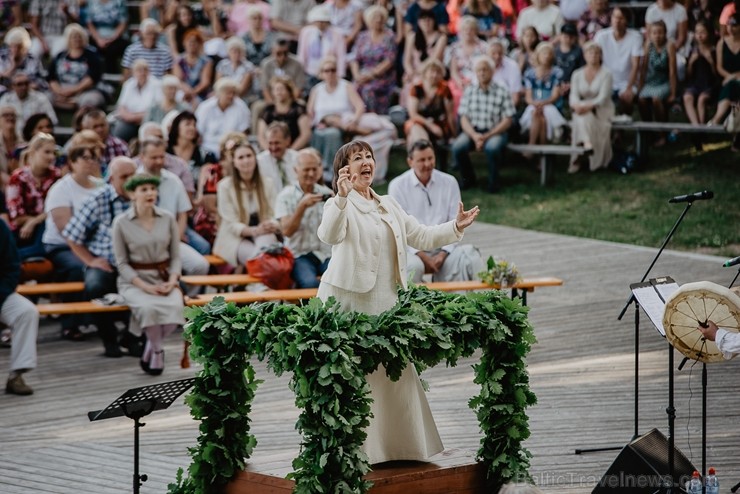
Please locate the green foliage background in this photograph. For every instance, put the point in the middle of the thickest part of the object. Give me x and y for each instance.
(329, 352)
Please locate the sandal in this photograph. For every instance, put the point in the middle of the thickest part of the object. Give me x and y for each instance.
(72, 334)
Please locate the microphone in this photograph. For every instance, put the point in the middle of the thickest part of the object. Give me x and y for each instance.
(699, 196)
(732, 262)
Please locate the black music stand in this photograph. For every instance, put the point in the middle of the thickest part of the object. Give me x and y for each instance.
(140, 402)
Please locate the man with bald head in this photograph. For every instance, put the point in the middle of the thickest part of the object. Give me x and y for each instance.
(88, 234)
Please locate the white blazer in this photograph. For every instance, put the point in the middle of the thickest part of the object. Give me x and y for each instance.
(355, 256)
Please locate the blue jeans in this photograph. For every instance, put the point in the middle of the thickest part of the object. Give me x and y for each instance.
(32, 247)
(306, 269)
(493, 148)
(197, 242)
(97, 284)
(67, 267)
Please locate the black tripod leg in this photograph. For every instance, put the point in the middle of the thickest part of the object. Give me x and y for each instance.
(735, 487)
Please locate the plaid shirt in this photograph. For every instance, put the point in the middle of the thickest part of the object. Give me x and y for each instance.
(52, 18)
(91, 224)
(24, 197)
(486, 108)
(113, 147)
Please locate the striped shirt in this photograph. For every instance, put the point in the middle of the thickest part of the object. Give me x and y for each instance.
(159, 58)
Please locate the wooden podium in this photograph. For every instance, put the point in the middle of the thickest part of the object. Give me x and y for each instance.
(453, 470)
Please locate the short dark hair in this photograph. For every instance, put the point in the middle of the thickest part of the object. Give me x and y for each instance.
(341, 159)
(31, 124)
(626, 12)
(419, 145)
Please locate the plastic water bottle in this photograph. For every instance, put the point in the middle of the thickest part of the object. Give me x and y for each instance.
(711, 482)
(693, 486)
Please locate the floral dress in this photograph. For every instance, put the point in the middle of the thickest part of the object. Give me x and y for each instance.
(376, 93)
(656, 79)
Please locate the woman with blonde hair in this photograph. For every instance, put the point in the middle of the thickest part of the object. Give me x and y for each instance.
(26, 193)
(461, 55)
(15, 57)
(592, 109)
(245, 204)
(75, 72)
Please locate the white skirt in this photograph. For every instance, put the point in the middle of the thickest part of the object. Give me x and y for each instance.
(553, 118)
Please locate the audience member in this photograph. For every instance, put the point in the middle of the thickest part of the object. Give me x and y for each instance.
(277, 162)
(27, 189)
(285, 109)
(194, 69)
(622, 49)
(489, 16)
(289, 16)
(159, 10)
(431, 109)
(75, 72)
(658, 79)
(157, 55)
(245, 204)
(107, 21)
(147, 250)
(462, 53)
(596, 18)
(183, 141)
(592, 110)
(96, 121)
(239, 17)
(236, 67)
(395, 18)
(172, 163)
(346, 16)
(543, 16)
(411, 19)
(433, 197)
(486, 112)
(167, 102)
(319, 39)
(184, 21)
(702, 11)
(138, 94)
(259, 40)
(221, 113)
(26, 101)
(37, 123)
(424, 43)
(48, 19)
(11, 15)
(507, 72)
(572, 10)
(65, 197)
(543, 95)
(174, 199)
(299, 210)
(702, 82)
(19, 313)
(568, 54)
(372, 61)
(9, 140)
(15, 58)
(282, 64)
(88, 235)
(724, 18)
(674, 16)
(728, 67)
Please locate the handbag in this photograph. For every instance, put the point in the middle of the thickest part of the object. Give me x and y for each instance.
(273, 266)
(732, 122)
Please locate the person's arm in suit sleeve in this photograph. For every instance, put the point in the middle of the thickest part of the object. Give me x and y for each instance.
(333, 227)
(229, 211)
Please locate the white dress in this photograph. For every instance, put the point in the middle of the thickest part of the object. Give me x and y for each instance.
(594, 127)
(402, 426)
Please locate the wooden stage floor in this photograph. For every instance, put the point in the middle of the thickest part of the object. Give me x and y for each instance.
(581, 370)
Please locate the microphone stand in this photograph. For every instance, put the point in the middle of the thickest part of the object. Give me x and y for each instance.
(689, 203)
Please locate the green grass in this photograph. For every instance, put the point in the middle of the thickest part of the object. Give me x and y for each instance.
(629, 208)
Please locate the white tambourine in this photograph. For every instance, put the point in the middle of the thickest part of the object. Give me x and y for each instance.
(691, 306)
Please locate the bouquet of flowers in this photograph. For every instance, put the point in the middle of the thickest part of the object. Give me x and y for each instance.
(500, 272)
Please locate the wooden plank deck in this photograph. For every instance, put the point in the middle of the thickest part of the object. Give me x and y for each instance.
(581, 370)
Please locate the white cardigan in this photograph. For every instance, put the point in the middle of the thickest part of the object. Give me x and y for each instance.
(355, 256)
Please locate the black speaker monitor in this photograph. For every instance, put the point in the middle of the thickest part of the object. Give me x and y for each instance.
(642, 467)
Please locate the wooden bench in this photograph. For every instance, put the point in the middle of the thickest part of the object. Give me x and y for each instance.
(214, 260)
(686, 128)
(36, 289)
(543, 151)
(293, 295)
(220, 280)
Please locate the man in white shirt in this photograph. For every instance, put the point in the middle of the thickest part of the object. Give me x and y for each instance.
(506, 73)
(727, 342)
(299, 209)
(222, 113)
(543, 16)
(27, 101)
(278, 161)
(432, 197)
(622, 49)
(174, 199)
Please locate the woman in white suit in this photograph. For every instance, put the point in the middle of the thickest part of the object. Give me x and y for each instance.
(245, 204)
(369, 234)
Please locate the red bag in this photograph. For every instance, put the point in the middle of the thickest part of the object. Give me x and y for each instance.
(273, 267)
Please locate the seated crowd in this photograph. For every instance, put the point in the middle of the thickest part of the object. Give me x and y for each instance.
(228, 118)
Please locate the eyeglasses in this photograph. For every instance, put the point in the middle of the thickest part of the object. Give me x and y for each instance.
(8, 116)
(281, 53)
(90, 158)
(21, 83)
(330, 69)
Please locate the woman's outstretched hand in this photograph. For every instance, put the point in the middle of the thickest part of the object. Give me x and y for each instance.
(345, 183)
(465, 218)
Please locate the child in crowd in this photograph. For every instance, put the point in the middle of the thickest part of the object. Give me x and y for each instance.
(568, 54)
(701, 74)
(659, 80)
(523, 53)
(543, 96)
